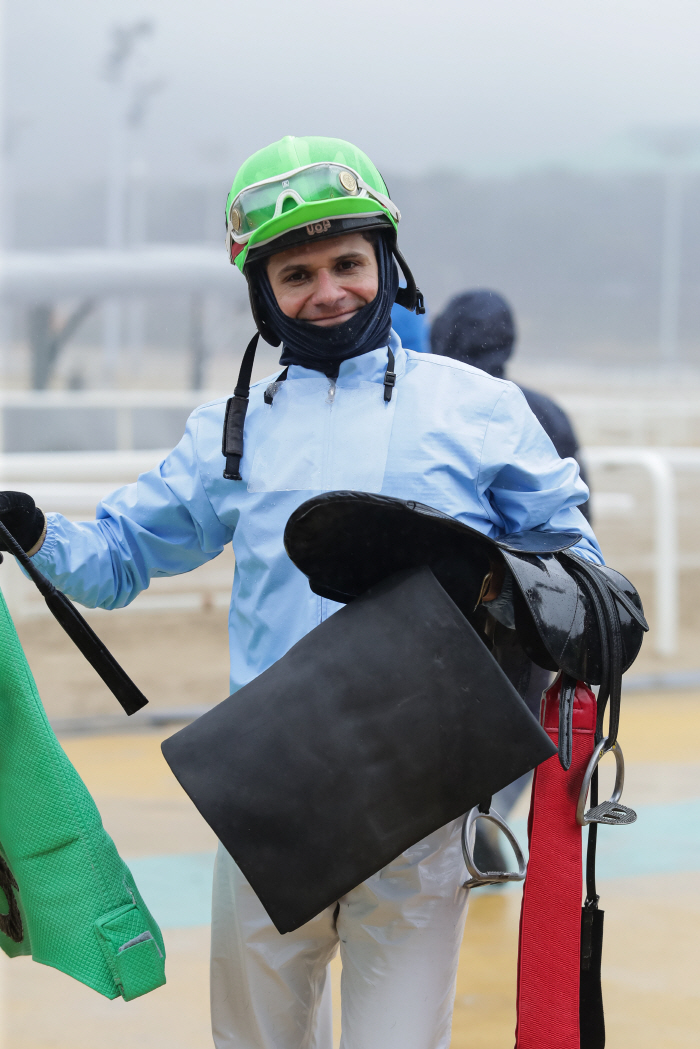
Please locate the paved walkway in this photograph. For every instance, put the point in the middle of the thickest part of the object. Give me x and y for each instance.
(649, 883)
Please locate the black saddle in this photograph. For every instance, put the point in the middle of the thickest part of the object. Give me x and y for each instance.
(346, 542)
(392, 717)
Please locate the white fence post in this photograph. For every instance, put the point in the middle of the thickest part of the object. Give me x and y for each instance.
(660, 468)
(665, 553)
(125, 428)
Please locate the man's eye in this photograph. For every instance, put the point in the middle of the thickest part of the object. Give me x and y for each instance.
(295, 278)
(347, 264)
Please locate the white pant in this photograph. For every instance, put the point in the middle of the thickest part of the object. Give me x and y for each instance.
(399, 935)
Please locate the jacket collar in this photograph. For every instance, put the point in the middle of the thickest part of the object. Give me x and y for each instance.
(368, 367)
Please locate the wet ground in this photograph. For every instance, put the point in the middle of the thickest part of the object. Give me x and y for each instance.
(649, 884)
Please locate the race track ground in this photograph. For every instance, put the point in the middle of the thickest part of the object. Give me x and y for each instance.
(649, 884)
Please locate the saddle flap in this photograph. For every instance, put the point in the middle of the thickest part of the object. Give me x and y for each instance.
(384, 723)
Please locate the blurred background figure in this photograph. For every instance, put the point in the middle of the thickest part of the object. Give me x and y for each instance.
(478, 327)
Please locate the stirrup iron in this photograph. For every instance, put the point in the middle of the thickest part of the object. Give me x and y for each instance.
(477, 877)
(611, 812)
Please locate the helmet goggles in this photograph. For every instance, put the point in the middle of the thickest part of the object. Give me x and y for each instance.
(313, 183)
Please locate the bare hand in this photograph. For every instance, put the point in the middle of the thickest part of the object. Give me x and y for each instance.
(493, 588)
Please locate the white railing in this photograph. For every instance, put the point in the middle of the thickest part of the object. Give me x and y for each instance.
(73, 483)
(122, 406)
(660, 465)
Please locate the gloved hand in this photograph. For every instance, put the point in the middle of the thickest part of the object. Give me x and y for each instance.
(501, 606)
(22, 518)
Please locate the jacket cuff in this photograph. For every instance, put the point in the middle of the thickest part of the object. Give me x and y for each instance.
(45, 551)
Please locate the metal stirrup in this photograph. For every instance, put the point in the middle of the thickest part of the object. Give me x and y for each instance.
(468, 835)
(612, 811)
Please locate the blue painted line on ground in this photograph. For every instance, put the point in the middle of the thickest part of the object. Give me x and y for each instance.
(664, 840)
(176, 888)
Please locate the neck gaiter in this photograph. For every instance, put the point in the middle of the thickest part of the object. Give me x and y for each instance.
(324, 349)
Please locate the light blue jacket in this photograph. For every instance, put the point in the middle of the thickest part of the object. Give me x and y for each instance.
(451, 436)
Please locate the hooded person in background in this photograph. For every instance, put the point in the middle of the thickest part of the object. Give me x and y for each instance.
(478, 328)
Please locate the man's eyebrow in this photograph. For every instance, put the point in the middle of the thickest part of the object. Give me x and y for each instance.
(292, 267)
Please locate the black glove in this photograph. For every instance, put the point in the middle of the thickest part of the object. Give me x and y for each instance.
(22, 518)
(501, 607)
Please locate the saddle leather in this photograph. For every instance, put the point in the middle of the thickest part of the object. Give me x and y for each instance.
(346, 542)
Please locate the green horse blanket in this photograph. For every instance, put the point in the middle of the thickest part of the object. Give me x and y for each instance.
(66, 896)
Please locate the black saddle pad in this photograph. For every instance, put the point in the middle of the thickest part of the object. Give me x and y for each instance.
(384, 723)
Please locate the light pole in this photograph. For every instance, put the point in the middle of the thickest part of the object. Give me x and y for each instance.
(675, 147)
(125, 111)
(671, 252)
(124, 39)
(136, 206)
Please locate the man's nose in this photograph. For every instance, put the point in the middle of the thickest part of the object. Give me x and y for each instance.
(327, 291)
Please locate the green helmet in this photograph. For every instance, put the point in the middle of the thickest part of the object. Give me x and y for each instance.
(302, 188)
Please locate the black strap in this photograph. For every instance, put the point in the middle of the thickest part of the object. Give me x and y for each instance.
(236, 408)
(567, 693)
(604, 597)
(274, 386)
(115, 678)
(389, 376)
(591, 889)
(591, 1011)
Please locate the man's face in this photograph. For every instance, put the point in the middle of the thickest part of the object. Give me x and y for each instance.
(325, 283)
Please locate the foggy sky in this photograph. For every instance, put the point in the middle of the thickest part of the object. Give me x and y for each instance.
(445, 84)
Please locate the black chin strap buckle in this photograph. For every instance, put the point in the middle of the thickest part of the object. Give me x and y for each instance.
(389, 376)
(234, 420)
(409, 297)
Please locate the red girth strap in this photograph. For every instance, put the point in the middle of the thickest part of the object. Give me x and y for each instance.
(550, 919)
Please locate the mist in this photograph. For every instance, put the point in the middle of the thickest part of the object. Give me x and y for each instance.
(451, 85)
(523, 143)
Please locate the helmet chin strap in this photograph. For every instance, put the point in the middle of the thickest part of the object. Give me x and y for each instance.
(410, 297)
(237, 406)
(369, 331)
(261, 324)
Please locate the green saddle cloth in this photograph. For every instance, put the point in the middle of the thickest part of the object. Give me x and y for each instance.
(66, 896)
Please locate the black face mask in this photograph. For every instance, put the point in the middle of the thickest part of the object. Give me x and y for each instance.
(324, 349)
